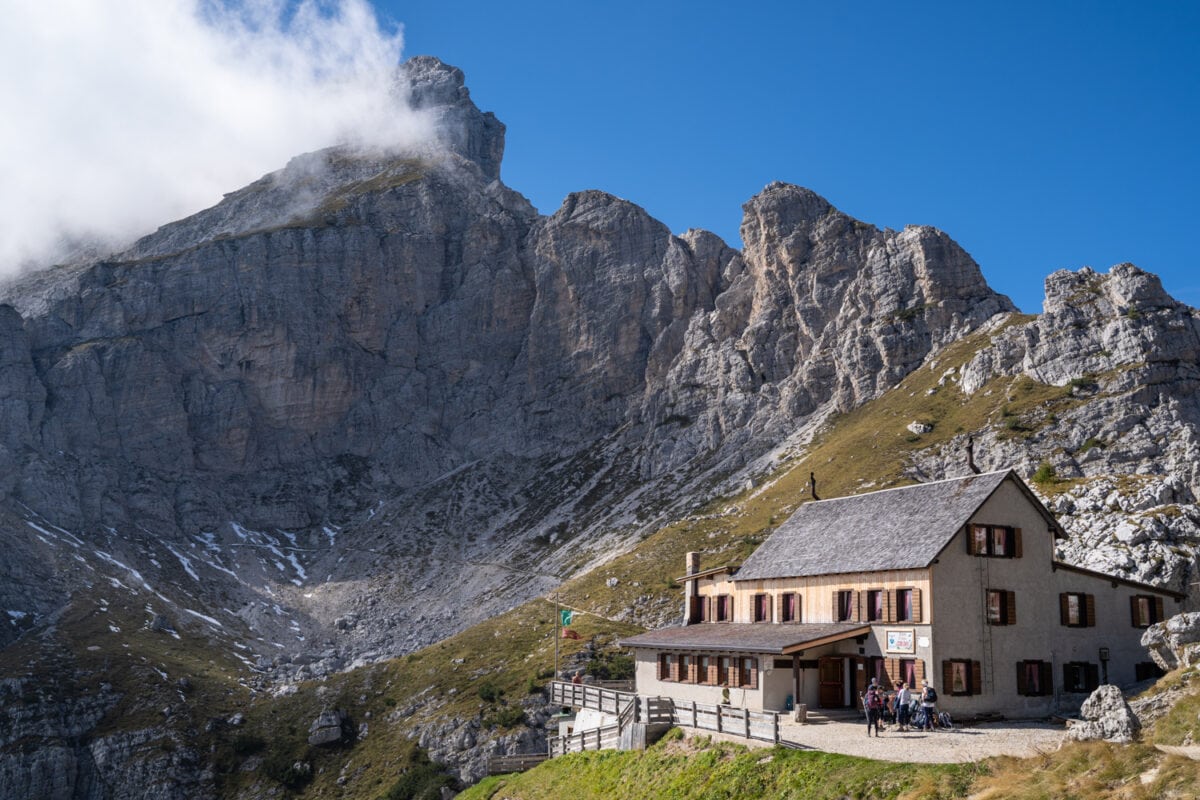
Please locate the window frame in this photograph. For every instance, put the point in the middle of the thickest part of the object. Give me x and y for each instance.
(1153, 610)
(903, 605)
(876, 605)
(845, 606)
(724, 608)
(761, 607)
(982, 541)
(1006, 607)
(972, 676)
(787, 614)
(1042, 673)
(1073, 670)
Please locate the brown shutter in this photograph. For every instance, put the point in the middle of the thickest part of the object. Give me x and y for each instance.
(1093, 677)
(947, 677)
(713, 670)
(860, 675)
(1047, 677)
(919, 670)
(675, 668)
(1011, 599)
(782, 598)
(735, 672)
(1064, 609)
(1133, 612)
(1158, 609)
(836, 610)
(753, 673)
(856, 610)
(1022, 685)
(916, 605)
(1089, 604)
(889, 605)
(1016, 542)
(892, 667)
(976, 678)
(971, 540)
(799, 615)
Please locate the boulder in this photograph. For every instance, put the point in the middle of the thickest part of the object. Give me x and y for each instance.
(1175, 642)
(327, 728)
(1106, 716)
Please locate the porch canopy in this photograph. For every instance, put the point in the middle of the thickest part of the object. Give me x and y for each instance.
(745, 637)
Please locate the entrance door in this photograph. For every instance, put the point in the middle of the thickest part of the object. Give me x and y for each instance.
(831, 671)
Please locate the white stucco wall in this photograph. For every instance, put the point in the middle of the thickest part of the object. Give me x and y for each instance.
(959, 606)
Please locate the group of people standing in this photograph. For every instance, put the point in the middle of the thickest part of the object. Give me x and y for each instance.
(909, 710)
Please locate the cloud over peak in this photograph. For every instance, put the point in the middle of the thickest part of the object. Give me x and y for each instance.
(116, 117)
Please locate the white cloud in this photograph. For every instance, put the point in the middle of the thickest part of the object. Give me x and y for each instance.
(118, 116)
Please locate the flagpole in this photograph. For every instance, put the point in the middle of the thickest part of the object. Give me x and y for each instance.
(557, 625)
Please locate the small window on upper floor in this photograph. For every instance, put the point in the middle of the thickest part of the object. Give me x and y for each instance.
(845, 610)
(874, 605)
(724, 608)
(762, 608)
(904, 609)
(1001, 607)
(996, 541)
(789, 607)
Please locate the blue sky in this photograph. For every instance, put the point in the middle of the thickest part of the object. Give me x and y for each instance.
(1040, 136)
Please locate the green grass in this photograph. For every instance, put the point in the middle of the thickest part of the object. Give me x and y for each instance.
(700, 768)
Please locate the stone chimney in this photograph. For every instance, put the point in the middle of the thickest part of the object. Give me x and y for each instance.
(691, 562)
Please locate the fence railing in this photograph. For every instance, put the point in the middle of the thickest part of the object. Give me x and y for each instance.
(584, 695)
(499, 765)
(761, 725)
(605, 738)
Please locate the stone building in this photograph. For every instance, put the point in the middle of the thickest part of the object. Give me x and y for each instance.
(953, 581)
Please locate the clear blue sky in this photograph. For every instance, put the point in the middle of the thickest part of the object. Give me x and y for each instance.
(1040, 136)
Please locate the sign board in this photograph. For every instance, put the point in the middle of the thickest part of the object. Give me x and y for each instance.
(901, 641)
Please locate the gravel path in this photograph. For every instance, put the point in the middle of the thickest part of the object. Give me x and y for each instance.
(961, 744)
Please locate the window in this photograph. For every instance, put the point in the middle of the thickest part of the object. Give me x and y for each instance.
(908, 671)
(1145, 670)
(1001, 607)
(789, 608)
(875, 605)
(1035, 678)
(962, 677)
(748, 674)
(697, 609)
(997, 541)
(762, 608)
(1080, 676)
(846, 606)
(1146, 610)
(724, 608)
(878, 671)
(687, 669)
(724, 670)
(1077, 610)
(904, 605)
(704, 673)
(665, 662)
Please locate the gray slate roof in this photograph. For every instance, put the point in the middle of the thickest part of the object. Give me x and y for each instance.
(741, 637)
(901, 528)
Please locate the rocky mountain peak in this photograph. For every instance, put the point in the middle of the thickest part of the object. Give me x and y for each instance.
(440, 89)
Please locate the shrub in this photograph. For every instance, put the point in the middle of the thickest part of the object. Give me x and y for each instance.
(505, 717)
(247, 744)
(422, 781)
(1045, 474)
(490, 692)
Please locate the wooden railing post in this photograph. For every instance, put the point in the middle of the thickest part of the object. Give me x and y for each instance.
(775, 727)
(695, 724)
(746, 712)
(718, 719)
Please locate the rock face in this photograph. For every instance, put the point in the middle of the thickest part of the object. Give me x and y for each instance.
(328, 728)
(1175, 642)
(1106, 716)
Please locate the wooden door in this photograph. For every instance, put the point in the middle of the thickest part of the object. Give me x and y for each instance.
(831, 673)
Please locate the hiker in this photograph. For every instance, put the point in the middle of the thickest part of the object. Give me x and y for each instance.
(900, 703)
(874, 703)
(928, 705)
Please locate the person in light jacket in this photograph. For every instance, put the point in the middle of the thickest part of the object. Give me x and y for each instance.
(900, 704)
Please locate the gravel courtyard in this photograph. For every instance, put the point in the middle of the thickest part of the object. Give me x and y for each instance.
(961, 744)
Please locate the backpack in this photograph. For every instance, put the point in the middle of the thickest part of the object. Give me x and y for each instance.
(874, 700)
(930, 694)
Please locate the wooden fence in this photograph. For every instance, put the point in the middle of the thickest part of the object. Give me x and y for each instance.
(761, 725)
(584, 695)
(499, 765)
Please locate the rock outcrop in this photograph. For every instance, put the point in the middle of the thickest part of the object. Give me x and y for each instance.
(1175, 642)
(1106, 716)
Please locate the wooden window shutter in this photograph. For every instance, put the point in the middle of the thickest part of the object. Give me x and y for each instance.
(919, 670)
(1022, 684)
(891, 666)
(713, 670)
(976, 678)
(1047, 670)
(916, 605)
(971, 541)
(889, 605)
(1133, 611)
(675, 668)
(1093, 677)
(1067, 687)
(856, 610)
(836, 609)
(1089, 603)
(753, 673)
(781, 598)
(735, 672)
(1158, 609)
(947, 676)
(1064, 609)
(799, 616)
(1016, 543)
(1011, 600)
